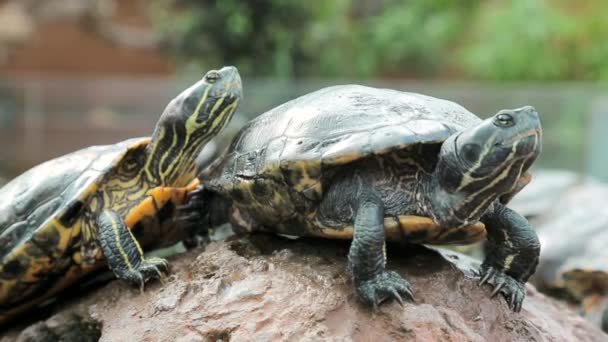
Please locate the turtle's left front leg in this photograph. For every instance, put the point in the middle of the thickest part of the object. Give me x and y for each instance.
(123, 253)
(512, 254)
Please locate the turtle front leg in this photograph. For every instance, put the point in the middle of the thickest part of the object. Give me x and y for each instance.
(511, 255)
(367, 257)
(192, 215)
(203, 211)
(123, 254)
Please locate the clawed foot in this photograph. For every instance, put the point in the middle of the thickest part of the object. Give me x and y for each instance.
(196, 240)
(151, 268)
(190, 217)
(513, 290)
(192, 211)
(386, 285)
(194, 200)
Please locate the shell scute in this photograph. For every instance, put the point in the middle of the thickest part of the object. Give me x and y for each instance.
(247, 164)
(40, 226)
(338, 125)
(297, 144)
(349, 148)
(271, 156)
(304, 148)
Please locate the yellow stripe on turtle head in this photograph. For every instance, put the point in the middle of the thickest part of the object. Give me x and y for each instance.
(191, 124)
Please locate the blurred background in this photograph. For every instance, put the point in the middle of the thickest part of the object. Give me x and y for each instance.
(79, 72)
(75, 73)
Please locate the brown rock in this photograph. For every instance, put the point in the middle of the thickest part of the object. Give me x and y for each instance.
(266, 288)
(64, 327)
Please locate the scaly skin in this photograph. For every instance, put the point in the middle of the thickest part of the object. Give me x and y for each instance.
(289, 180)
(124, 193)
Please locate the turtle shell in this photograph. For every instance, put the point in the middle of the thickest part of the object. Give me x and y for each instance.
(586, 279)
(54, 190)
(589, 273)
(574, 240)
(334, 126)
(574, 260)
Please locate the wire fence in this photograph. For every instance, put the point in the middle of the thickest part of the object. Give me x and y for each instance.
(44, 118)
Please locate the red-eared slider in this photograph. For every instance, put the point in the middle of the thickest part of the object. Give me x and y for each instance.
(374, 164)
(574, 262)
(71, 215)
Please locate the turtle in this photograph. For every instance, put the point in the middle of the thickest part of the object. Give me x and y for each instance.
(574, 262)
(103, 205)
(586, 278)
(370, 164)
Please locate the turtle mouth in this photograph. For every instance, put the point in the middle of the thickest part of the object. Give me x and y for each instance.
(525, 136)
(236, 85)
(229, 86)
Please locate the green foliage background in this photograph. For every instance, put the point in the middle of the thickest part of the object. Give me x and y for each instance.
(466, 39)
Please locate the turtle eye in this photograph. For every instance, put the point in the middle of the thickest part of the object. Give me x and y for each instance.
(504, 120)
(212, 76)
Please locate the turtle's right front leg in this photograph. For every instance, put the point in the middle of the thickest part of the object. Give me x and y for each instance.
(367, 257)
(123, 253)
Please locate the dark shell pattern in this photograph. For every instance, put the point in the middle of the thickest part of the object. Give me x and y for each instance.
(277, 165)
(38, 210)
(335, 126)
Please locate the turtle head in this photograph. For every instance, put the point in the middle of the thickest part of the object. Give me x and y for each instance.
(479, 164)
(208, 104)
(190, 120)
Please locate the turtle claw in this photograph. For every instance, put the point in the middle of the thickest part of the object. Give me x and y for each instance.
(191, 217)
(139, 281)
(193, 200)
(151, 268)
(486, 276)
(512, 289)
(193, 223)
(497, 288)
(397, 297)
(197, 192)
(386, 285)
